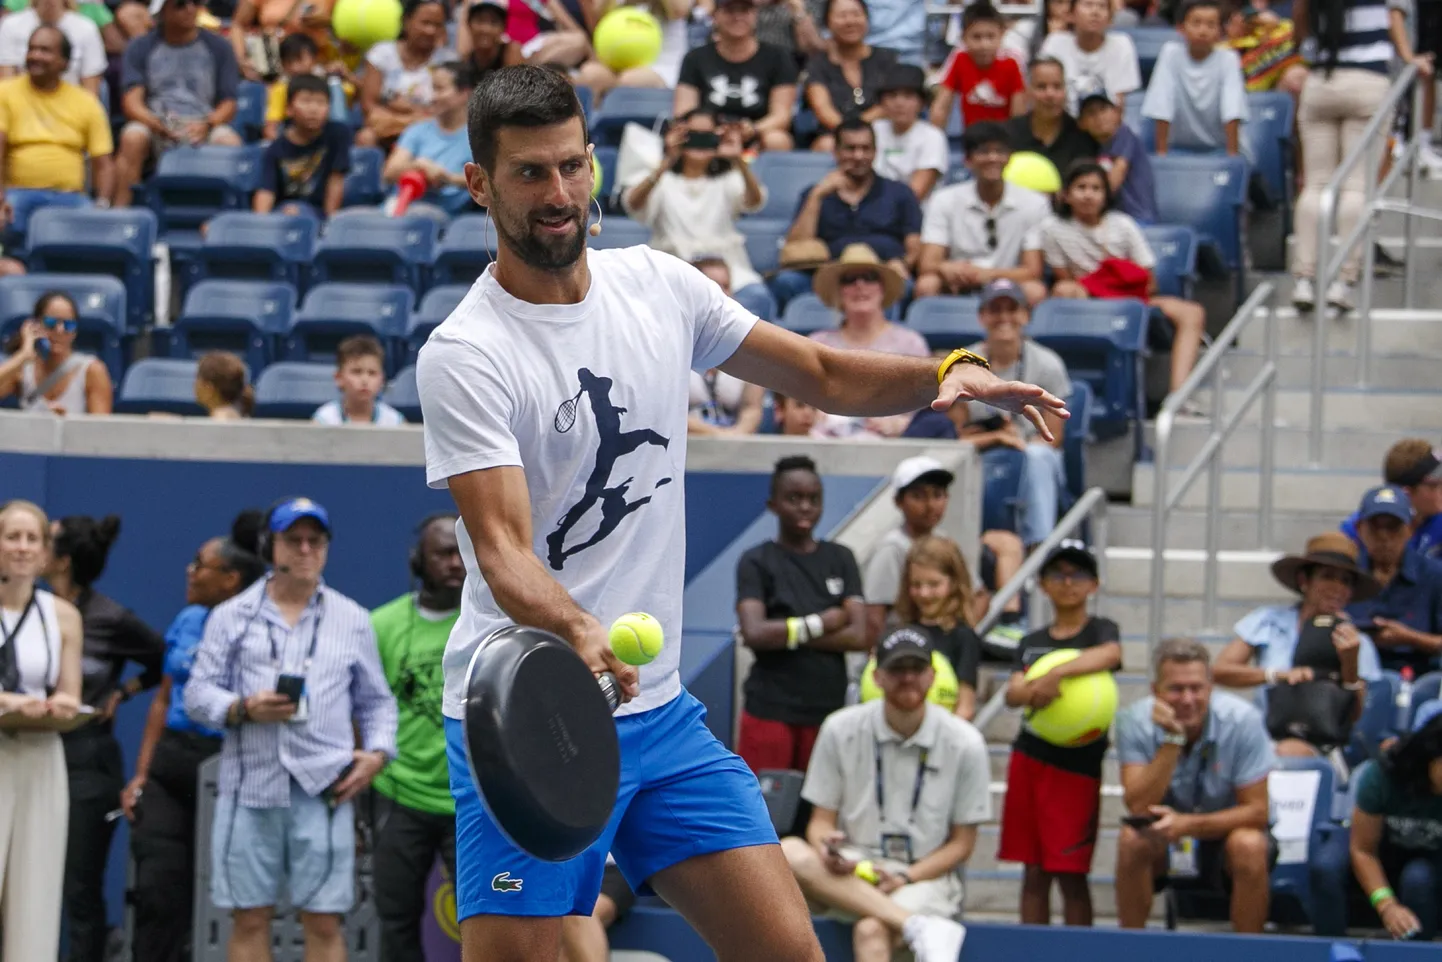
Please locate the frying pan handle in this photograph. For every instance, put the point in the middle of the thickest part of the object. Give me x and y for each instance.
(611, 689)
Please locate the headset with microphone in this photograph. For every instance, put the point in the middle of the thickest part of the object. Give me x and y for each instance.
(595, 229)
(265, 543)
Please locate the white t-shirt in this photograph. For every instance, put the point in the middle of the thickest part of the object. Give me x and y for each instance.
(1072, 246)
(590, 399)
(691, 217)
(898, 156)
(87, 52)
(716, 400)
(383, 416)
(1112, 67)
(397, 80)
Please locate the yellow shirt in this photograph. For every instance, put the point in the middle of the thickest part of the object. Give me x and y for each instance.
(276, 99)
(48, 135)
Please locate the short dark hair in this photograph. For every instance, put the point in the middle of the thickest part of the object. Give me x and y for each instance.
(476, 9)
(826, 10)
(295, 46)
(853, 123)
(978, 135)
(64, 40)
(520, 96)
(1189, 5)
(458, 71)
(794, 462)
(305, 83)
(358, 346)
(981, 12)
(86, 542)
(1078, 170)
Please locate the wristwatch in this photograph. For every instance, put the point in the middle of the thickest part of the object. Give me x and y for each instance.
(1173, 738)
(960, 356)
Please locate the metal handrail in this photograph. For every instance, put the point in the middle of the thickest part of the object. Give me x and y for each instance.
(1092, 504)
(1332, 252)
(1165, 498)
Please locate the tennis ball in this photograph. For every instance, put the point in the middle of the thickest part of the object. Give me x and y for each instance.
(1083, 711)
(365, 23)
(943, 690)
(596, 180)
(627, 37)
(1033, 171)
(866, 871)
(636, 638)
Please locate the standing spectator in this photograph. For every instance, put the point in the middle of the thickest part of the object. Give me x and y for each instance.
(1404, 619)
(1048, 129)
(46, 371)
(742, 80)
(991, 87)
(178, 84)
(222, 387)
(1122, 155)
(1197, 97)
(722, 405)
(113, 638)
(1094, 56)
(360, 376)
(51, 131)
(908, 149)
(396, 89)
(303, 170)
(289, 650)
(898, 750)
(85, 61)
(415, 818)
(1415, 466)
(798, 604)
(898, 25)
(160, 800)
(39, 678)
(1195, 763)
(974, 232)
(1053, 797)
(921, 490)
(844, 80)
(437, 147)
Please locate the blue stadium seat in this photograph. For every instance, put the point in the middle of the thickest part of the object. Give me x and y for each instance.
(1206, 193)
(584, 95)
(1081, 404)
(781, 787)
(99, 299)
(1271, 115)
(1149, 42)
(954, 125)
(1104, 344)
(293, 389)
(787, 174)
(261, 247)
(1176, 250)
(468, 246)
(1379, 717)
(193, 184)
(88, 241)
(806, 313)
(1424, 689)
(333, 312)
(435, 307)
(244, 317)
(250, 102)
(956, 170)
(624, 105)
(620, 232)
(158, 384)
(403, 395)
(1132, 114)
(946, 322)
(363, 187)
(368, 248)
(763, 242)
(1291, 882)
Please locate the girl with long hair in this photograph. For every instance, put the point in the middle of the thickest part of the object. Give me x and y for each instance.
(222, 387)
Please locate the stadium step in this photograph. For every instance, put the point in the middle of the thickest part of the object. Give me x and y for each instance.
(1184, 616)
(1350, 408)
(1393, 332)
(1241, 575)
(1334, 492)
(1342, 449)
(1416, 370)
(1237, 530)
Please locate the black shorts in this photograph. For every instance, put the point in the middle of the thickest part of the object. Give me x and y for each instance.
(1429, 27)
(614, 887)
(1212, 874)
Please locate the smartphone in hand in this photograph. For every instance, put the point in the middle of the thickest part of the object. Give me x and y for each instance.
(1140, 822)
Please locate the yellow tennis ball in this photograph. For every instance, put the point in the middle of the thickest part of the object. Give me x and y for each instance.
(596, 180)
(365, 23)
(1033, 171)
(866, 871)
(1083, 711)
(636, 638)
(627, 37)
(943, 690)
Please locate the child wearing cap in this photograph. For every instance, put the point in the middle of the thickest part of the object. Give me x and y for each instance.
(1404, 620)
(1053, 793)
(1415, 466)
(921, 487)
(1197, 96)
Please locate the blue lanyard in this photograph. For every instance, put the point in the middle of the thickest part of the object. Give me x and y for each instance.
(915, 791)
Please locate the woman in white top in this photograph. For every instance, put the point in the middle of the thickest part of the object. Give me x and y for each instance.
(45, 369)
(395, 89)
(39, 680)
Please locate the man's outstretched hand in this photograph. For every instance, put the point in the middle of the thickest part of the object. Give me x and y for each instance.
(971, 382)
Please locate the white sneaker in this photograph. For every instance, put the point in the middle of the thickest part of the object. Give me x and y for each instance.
(934, 939)
(1304, 295)
(1339, 295)
(1430, 160)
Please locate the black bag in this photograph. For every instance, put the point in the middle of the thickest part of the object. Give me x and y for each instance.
(1318, 712)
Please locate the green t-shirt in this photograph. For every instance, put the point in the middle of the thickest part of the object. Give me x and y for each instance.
(411, 645)
(1414, 822)
(97, 13)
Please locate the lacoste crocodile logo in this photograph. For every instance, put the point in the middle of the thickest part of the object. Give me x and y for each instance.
(504, 883)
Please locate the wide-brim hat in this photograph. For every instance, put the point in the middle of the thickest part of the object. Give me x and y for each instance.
(827, 283)
(1330, 550)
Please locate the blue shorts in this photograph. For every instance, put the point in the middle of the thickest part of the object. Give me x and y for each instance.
(682, 794)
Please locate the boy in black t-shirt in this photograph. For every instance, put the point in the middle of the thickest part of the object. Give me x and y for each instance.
(798, 602)
(303, 170)
(1053, 793)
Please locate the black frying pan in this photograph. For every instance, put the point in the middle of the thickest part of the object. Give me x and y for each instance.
(541, 742)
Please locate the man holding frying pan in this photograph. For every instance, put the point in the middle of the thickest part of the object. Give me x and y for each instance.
(555, 402)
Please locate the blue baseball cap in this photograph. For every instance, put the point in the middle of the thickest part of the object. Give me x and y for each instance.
(287, 513)
(1388, 499)
(1001, 288)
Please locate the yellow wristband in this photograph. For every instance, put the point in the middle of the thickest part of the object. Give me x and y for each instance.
(793, 632)
(960, 356)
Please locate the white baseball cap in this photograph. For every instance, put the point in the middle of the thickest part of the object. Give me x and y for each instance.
(920, 467)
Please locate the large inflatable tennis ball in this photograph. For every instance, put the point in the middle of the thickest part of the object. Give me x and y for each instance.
(365, 23)
(1083, 711)
(943, 690)
(1031, 170)
(627, 37)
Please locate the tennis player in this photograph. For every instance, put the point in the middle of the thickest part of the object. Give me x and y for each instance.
(555, 402)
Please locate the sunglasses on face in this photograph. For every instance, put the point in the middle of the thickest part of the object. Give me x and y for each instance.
(870, 277)
(54, 323)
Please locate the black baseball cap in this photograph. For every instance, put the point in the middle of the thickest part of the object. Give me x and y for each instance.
(901, 644)
(1073, 552)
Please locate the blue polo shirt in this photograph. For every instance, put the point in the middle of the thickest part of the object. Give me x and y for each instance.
(1414, 597)
(1233, 752)
(1427, 539)
(1273, 631)
(182, 638)
(883, 219)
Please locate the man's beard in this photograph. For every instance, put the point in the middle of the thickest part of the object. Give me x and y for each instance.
(555, 252)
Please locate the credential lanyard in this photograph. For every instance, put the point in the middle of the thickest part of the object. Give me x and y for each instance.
(276, 651)
(915, 791)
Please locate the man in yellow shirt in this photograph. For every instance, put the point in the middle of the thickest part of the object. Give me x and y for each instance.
(48, 128)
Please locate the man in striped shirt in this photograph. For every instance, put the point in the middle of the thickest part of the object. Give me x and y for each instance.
(289, 668)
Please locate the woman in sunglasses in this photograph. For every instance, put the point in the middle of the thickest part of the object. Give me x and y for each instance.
(46, 371)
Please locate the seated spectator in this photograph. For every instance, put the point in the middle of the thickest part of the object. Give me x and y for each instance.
(1048, 129)
(852, 205)
(693, 200)
(1404, 619)
(49, 128)
(583, 937)
(741, 80)
(85, 61)
(1140, 13)
(1123, 156)
(991, 87)
(898, 25)
(1053, 797)
(974, 232)
(222, 388)
(892, 874)
(799, 610)
(794, 417)
(303, 170)
(45, 371)
(1415, 466)
(179, 86)
(1097, 251)
(299, 57)
(481, 41)
(397, 88)
(1267, 46)
(908, 149)
(257, 28)
(1197, 99)
(1092, 55)
(1308, 641)
(1195, 763)
(438, 148)
(722, 405)
(360, 377)
(665, 71)
(845, 80)
(1014, 355)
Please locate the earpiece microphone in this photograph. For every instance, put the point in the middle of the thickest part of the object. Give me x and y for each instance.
(595, 229)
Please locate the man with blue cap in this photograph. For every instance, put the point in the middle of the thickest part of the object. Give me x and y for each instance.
(1405, 618)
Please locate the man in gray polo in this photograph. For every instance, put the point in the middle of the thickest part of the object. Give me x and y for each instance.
(1194, 762)
(899, 786)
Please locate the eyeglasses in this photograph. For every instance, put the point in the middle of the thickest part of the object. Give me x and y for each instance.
(870, 277)
(1068, 577)
(51, 323)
